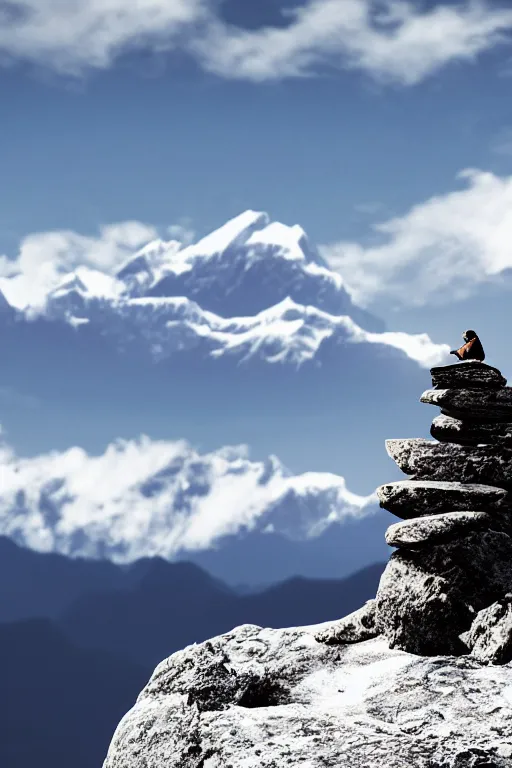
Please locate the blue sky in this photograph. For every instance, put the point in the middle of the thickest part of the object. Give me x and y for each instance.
(190, 112)
(382, 127)
(342, 116)
(155, 137)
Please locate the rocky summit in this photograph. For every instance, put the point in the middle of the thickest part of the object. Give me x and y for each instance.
(269, 698)
(453, 556)
(470, 375)
(419, 677)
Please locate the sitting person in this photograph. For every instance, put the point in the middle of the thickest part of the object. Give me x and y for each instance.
(472, 349)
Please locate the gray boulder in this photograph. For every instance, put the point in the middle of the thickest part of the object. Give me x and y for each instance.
(474, 404)
(490, 636)
(428, 597)
(430, 460)
(414, 498)
(434, 529)
(464, 432)
(277, 698)
(354, 628)
(468, 375)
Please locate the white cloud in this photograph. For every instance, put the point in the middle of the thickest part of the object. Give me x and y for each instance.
(442, 249)
(418, 347)
(44, 258)
(147, 498)
(182, 232)
(72, 35)
(388, 39)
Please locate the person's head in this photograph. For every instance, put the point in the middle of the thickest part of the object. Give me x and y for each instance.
(468, 335)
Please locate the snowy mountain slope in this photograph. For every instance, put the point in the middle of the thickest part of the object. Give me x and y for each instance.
(251, 289)
(251, 264)
(286, 333)
(159, 498)
(300, 372)
(141, 271)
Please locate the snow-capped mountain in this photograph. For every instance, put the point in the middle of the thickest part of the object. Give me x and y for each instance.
(144, 498)
(246, 266)
(287, 332)
(245, 336)
(254, 289)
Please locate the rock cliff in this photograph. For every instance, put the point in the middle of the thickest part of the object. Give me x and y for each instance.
(454, 547)
(420, 677)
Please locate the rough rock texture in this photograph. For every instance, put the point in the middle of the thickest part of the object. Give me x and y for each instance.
(428, 597)
(490, 636)
(414, 498)
(469, 374)
(447, 429)
(354, 628)
(427, 459)
(263, 698)
(329, 697)
(472, 404)
(434, 529)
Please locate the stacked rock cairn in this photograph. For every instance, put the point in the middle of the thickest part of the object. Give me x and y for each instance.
(447, 587)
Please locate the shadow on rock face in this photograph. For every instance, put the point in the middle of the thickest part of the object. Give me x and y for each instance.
(218, 686)
(473, 758)
(263, 691)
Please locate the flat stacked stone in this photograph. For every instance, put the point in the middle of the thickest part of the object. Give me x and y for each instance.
(476, 404)
(448, 429)
(454, 544)
(413, 498)
(487, 405)
(470, 374)
(430, 460)
(434, 529)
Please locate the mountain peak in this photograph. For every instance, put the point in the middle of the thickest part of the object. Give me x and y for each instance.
(291, 242)
(88, 283)
(234, 233)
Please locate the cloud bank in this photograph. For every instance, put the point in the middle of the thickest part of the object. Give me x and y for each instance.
(390, 40)
(44, 258)
(441, 250)
(157, 498)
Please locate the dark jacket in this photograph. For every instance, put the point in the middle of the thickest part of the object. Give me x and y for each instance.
(472, 350)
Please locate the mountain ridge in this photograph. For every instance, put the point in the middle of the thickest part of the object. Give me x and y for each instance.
(291, 380)
(251, 270)
(46, 584)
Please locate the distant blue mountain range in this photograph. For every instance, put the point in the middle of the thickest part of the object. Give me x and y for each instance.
(79, 639)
